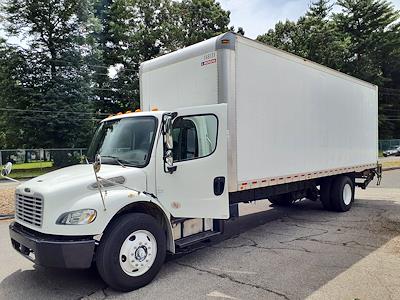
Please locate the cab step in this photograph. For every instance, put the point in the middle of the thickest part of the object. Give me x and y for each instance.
(195, 238)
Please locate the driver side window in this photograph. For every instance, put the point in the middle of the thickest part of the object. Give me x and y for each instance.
(194, 137)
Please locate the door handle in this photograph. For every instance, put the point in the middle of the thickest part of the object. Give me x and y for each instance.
(219, 185)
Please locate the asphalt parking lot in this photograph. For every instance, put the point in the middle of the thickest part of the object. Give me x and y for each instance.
(274, 253)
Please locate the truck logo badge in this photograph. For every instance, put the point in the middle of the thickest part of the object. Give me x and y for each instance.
(208, 62)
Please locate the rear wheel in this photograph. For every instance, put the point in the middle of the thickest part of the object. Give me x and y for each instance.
(325, 193)
(282, 200)
(131, 252)
(342, 193)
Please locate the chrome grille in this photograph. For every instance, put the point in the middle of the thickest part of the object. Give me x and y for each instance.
(29, 209)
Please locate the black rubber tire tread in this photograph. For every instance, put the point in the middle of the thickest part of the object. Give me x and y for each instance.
(281, 200)
(325, 193)
(107, 255)
(337, 193)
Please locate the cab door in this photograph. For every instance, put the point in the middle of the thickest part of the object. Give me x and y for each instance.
(198, 186)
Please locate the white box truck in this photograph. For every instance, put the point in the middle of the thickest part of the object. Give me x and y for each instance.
(225, 121)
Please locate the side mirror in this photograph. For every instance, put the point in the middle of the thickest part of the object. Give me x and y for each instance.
(168, 142)
(97, 163)
(6, 170)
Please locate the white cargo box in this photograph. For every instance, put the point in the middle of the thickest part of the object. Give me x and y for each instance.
(289, 119)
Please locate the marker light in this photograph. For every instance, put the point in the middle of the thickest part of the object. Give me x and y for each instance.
(128, 111)
(154, 109)
(138, 110)
(120, 113)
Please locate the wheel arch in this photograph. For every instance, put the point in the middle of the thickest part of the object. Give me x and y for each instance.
(152, 209)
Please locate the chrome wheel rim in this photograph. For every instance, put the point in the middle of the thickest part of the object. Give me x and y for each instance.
(347, 194)
(138, 252)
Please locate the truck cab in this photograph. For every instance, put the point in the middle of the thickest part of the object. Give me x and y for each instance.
(156, 168)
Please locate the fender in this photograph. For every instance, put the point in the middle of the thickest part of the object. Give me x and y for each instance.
(149, 204)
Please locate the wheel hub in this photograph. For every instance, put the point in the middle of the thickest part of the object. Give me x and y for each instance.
(141, 253)
(347, 194)
(138, 252)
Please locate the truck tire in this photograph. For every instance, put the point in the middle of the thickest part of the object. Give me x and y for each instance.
(281, 200)
(131, 252)
(325, 193)
(342, 193)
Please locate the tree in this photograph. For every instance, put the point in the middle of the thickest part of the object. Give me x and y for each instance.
(136, 31)
(370, 26)
(314, 36)
(56, 78)
(198, 20)
(139, 30)
(284, 36)
(373, 30)
(12, 69)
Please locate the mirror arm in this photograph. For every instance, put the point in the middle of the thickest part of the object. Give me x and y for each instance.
(11, 179)
(171, 169)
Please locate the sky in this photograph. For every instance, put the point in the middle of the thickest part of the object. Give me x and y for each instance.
(257, 16)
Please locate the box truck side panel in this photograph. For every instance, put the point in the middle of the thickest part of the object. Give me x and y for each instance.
(295, 116)
(191, 82)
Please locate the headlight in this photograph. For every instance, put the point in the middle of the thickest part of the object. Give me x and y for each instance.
(77, 217)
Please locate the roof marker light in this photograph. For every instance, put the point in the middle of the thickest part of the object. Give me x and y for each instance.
(154, 109)
(138, 110)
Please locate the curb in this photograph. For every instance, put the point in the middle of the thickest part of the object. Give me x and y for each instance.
(6, 217)
(390, 169)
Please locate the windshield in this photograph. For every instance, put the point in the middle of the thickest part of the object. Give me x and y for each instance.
(128, 141)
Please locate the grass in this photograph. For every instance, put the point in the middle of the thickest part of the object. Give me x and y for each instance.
(18, 174)
(391, 164)
(31, 169)
(33, 165)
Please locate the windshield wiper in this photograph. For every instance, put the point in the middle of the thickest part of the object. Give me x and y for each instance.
(116, 159)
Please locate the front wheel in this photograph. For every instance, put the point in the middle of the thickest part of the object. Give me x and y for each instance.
(131, 252)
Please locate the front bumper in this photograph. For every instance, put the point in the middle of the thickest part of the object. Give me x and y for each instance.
(51, 250)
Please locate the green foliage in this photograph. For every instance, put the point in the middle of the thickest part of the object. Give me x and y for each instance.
(48, 75)
(138, 30)
(63, 159)
(73, 44)
(314, 36)
(197, 20)
(373, 34)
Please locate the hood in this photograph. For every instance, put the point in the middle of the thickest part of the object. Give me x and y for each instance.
(80, 177)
